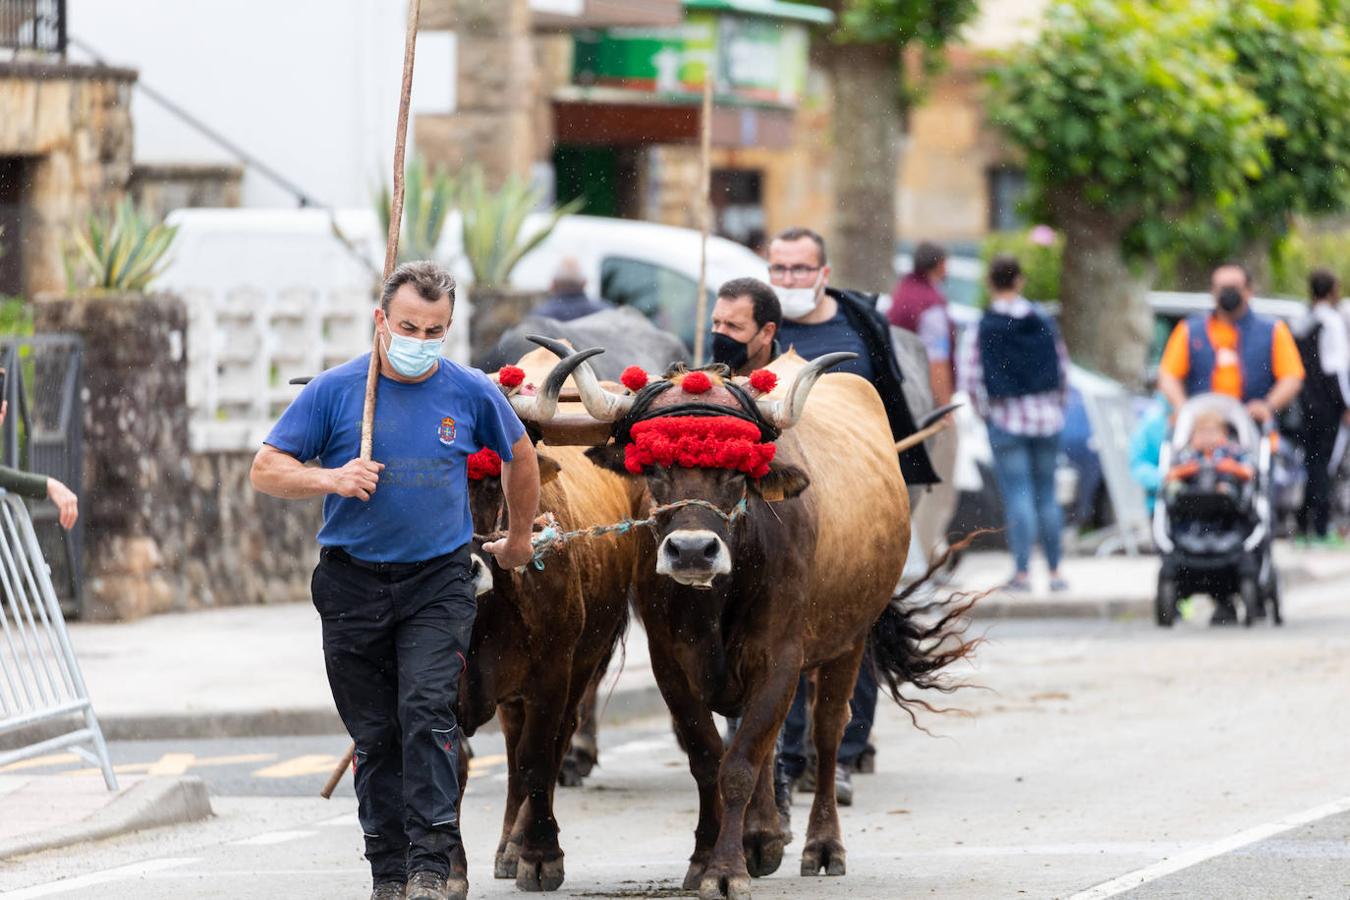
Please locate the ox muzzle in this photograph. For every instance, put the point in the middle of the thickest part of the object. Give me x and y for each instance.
(481, 573)
(693, 557)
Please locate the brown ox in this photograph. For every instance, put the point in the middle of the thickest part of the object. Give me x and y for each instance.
(541, 634)
(736, 605)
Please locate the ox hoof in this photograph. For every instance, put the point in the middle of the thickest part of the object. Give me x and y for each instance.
(694, 877)
(546, 875)
(817, 858)
(570, 775)
(763, 853)
(508, 858)
(724, 887)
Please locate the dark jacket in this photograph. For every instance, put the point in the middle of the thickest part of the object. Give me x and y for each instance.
(860, 311)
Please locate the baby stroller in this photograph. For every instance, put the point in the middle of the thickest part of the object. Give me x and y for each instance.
(1215, 535)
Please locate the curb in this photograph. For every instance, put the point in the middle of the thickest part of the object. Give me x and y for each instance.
(1001, 606)
(152, 803)
(622, 706)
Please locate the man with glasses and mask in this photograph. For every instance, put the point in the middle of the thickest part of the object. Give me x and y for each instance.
(1232, 351)
(393, 587)
(819, 319)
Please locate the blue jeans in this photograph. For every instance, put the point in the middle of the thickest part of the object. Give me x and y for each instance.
(863, 712)
(1025, 468)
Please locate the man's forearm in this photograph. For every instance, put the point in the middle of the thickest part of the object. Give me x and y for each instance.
(940, 377)
(520, 485)
(283, 476)
(1283, 393)
(1171, 389)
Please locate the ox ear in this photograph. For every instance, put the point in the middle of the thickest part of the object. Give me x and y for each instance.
(783, 482)
(548, 468)
(609, 456)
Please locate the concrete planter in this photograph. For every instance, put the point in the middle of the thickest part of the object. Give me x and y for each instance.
(494, 311)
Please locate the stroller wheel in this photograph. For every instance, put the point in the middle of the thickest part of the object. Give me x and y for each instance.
(1251, 601)
(1165, 603)
(1273, 598)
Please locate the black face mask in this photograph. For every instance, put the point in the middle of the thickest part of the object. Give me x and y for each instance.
(1230, 299)
(730, 352)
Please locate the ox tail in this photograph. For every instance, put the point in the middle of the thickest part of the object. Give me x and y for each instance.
(915, 643)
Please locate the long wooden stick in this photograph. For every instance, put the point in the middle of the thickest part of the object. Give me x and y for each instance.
(705, 196)
(395, 221)
(390, 260)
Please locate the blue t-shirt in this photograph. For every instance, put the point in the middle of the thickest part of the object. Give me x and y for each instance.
(834, 335)
(423, 434)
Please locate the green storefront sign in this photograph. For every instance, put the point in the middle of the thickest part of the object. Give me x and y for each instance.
(760, 48)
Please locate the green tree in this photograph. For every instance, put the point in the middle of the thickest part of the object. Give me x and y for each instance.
(864, 56)
(1295, 56)
(1132, 117)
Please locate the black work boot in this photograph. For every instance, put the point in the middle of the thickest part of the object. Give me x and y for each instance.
(388, 890)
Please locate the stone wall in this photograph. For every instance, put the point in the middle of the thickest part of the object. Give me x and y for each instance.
(160, 189)
(74, 122)
(166, 530)
(497, 89)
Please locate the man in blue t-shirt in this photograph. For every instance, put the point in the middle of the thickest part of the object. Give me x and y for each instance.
(393, 586)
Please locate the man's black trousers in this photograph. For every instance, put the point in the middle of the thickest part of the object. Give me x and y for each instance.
(394, 639)
(1319, 443)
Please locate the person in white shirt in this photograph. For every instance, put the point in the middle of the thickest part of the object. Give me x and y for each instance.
(1324, 342)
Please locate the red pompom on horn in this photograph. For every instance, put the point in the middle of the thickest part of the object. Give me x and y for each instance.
(484, 464)
(510, 376)
(696, 383)
(763, 381)
(634, 378)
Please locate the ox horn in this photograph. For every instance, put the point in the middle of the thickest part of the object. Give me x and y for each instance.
(542, 406)
(785, 413)
(602, 405)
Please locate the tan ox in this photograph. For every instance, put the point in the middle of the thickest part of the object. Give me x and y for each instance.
(757, 571)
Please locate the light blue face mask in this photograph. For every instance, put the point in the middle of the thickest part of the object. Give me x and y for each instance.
(410, 357)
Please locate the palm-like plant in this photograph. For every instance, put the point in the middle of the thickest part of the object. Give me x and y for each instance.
(122, 251)
(493, 221)
(428, 195)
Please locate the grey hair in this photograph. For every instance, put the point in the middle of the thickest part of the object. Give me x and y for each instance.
(429, 280)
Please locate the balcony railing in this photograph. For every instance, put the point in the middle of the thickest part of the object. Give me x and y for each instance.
(33, 26)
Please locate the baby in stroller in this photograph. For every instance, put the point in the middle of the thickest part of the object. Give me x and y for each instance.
(1212, 464)
(1213, 524)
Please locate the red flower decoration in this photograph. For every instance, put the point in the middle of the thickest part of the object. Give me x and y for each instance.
(696, 383)
(634, 378)
(510, 376)
(707, 442)
(763, 380)
(484, 464)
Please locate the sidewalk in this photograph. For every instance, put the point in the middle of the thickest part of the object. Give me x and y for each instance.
(60, 811)
(253, 670)
(1112, 586)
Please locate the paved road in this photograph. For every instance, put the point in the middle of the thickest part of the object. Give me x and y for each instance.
(1188, 763)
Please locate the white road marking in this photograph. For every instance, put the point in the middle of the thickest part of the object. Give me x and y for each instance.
(66, 885)
(343, 821)
(1132, 880)
(272, 837)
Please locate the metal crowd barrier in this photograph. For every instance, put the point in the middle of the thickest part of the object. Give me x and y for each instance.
(40, 678)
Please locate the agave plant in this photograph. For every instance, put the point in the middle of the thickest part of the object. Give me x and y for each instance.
(493, 222)
(123, 251)
(428, 195)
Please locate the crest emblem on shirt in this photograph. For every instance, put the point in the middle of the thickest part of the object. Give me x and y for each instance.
(447, 431)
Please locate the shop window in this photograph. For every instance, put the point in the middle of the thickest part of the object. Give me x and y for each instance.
(1007, 189)
(738, 204)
